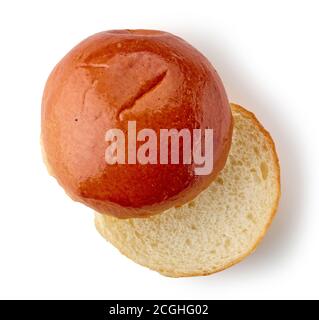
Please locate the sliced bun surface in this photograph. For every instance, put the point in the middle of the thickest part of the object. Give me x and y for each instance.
(223, 225)
(147, 76)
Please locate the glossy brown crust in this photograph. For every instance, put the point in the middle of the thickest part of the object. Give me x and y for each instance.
(152, 77)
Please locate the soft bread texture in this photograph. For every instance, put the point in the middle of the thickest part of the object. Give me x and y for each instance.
(154, 78)
(222, 226)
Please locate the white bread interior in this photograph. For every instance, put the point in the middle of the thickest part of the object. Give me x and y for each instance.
(223, 225)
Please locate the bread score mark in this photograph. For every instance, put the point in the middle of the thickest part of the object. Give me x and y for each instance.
(94, 65)
(85, 93)
(147, 87)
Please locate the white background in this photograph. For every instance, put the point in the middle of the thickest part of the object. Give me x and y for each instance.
(266, 52)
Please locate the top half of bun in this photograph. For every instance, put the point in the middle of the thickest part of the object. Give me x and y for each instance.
(152, 77)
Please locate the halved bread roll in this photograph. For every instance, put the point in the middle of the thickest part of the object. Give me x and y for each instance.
(222, 226)
(153, 78)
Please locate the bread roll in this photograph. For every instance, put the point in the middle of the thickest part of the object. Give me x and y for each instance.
(222, 226)
(151, 77)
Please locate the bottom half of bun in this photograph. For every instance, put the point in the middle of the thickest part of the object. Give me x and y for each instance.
(222, 226)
